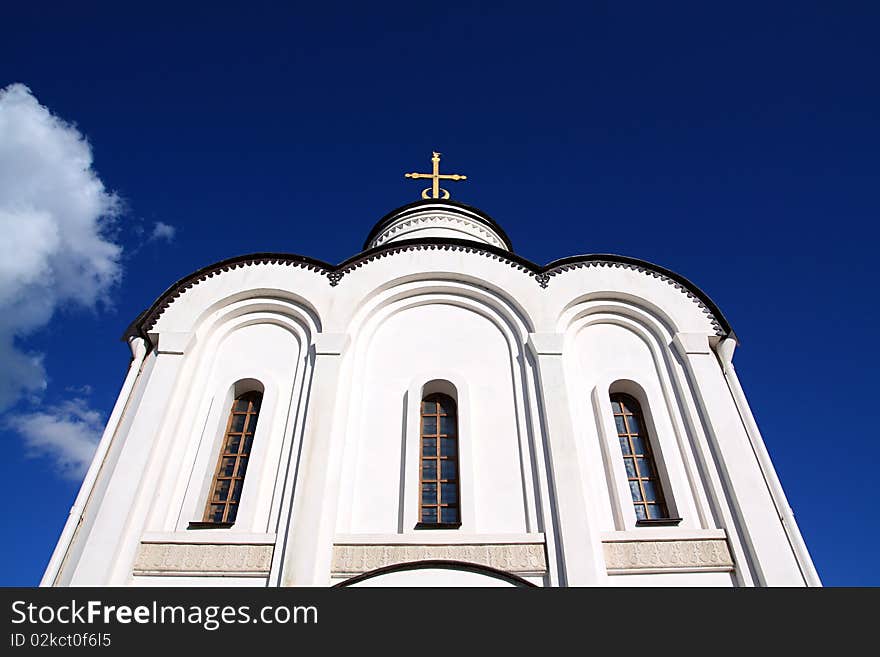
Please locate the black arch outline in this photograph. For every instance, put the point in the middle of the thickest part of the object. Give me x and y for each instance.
(444, 564)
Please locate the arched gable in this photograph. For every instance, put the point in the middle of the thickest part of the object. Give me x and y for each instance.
(322, 275)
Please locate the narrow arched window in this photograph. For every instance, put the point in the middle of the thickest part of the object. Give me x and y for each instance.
(438, 465)
(641, 470)
(222, 506)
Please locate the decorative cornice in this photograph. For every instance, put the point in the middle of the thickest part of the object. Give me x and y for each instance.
(203, 559)
(518, 558)
(434, 244)
(335, 273)
(432, 205)
(436, 219)
(637, 556)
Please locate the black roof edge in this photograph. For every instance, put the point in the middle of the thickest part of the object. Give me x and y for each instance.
(135, 328)
(638, 262)
(415, 206)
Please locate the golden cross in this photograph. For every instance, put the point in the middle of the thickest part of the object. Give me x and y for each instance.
(435, 190)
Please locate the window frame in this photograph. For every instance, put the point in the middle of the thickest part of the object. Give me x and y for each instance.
(632, 407)
(437, 456)
(244, 450)
(423, 383)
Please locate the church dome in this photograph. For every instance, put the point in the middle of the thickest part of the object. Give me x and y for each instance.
(436, 218)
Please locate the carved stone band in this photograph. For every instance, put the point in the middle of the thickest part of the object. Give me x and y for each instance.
(629, 556)
(203, 559)
(519, 558)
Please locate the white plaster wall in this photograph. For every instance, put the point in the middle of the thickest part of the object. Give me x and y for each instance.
(109, 544)
(433, 341)
(412, 316)
(163, 483)
(606, 353)
(252, 348)
(95, 503)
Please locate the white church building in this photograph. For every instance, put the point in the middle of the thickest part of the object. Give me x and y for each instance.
(435, 410)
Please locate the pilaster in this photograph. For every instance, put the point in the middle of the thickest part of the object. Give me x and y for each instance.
(309, 550)
(582, 558)
(115, 533)
(759, 522)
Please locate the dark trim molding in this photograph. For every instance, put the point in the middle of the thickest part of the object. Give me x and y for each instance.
(437, 525)
(209, 525)
(439, 564)
(417, 206)
(335, 273)
(658, 522)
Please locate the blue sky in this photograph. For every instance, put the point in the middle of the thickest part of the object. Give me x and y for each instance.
(736, 144)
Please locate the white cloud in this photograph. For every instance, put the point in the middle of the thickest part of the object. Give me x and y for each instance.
(67, 434)
(54, 218)
(163, 231)
(55, 250)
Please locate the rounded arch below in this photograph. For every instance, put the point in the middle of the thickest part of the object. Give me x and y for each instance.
(437, 573)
